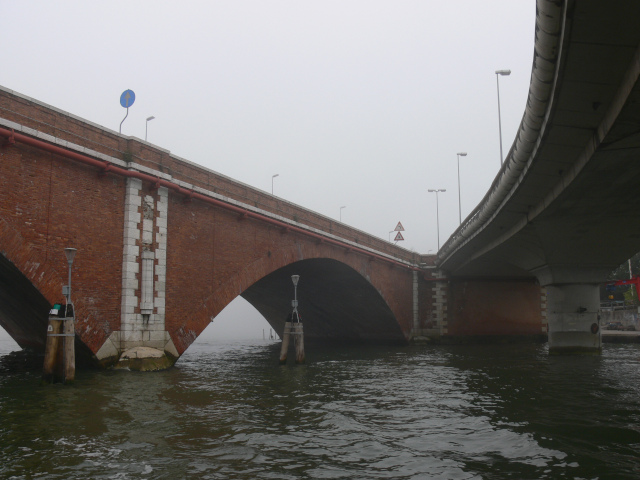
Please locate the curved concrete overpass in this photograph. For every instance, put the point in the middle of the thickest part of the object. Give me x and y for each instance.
(565, 206)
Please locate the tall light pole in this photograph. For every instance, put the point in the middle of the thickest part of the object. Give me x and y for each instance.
(146, 126)
(498, 73)
(272, 177)
(460, 154)
(436, 191)
(70, 253)
(344, 206)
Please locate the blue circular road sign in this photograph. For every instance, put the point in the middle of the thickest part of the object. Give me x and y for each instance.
(127, 98)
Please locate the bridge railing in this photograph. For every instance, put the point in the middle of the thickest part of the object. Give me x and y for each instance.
(48, 120)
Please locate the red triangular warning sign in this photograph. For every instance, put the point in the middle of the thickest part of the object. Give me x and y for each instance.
(399, 228)
(398, 237)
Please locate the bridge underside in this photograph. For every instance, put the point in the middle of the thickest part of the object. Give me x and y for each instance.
(335, 303)
(564, 208)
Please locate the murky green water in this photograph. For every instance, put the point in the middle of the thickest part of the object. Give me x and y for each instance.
(229, 411)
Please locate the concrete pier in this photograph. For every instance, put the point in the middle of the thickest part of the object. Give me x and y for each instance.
(572, 313)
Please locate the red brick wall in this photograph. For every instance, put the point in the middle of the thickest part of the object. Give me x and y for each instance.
(212, 257)
(67, 127)
(49, 203)
(494, 308)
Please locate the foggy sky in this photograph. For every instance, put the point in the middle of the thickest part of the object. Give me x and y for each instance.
(361, 103)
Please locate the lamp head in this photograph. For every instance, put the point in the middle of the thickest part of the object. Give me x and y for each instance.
(276, 175)
(462, 154)
(503, 72)
(150, 118)
(70, 253)
(294, 279)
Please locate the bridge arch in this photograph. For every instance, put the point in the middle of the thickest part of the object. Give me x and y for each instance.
(23, 307)
(343, 296)
(337, 303)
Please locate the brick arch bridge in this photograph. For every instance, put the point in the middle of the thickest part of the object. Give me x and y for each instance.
(164, 245)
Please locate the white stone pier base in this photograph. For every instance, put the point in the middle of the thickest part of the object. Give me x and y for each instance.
(572, 313)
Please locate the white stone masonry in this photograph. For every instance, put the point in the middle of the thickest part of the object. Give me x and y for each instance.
(144, 259)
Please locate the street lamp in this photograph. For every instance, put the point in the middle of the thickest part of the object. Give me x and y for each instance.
(460, 154)
(70, 254)
(272, 177)
(146, 126)
(498, 73)
(341, 211)
(294, 303)
(436, 191)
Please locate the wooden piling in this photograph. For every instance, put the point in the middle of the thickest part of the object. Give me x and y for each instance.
(285, 343)
(52, 350)
(298, 341)
(69, 350)
(59, 351)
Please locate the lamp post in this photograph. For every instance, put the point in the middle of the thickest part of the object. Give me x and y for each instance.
(146, 126)
(294, 303)
(460, 154)
(59, 353)
(272, 177)
(436, 191)
(344, 206)
(70, 254)
(498, 73)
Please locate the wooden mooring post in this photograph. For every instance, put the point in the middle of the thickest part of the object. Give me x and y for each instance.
(60, 356)
(292, 329)
(59, 353)
(285, 343)
(298, 341)
(293, 326)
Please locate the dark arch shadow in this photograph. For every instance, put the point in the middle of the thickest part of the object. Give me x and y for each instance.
(23, 309)
(336, 303)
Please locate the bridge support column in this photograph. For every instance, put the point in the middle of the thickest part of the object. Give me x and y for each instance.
(572, 313)
(142, 342)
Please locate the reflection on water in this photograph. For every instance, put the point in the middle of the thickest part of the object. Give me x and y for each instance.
(230, 411)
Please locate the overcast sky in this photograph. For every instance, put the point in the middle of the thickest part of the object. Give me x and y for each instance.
(362, 104)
